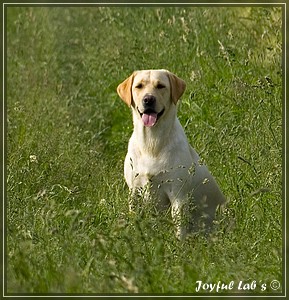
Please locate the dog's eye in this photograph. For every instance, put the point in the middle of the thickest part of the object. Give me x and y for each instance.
(160, 86)
(139, 86)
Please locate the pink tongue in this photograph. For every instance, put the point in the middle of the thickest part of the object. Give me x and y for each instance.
(149, 119)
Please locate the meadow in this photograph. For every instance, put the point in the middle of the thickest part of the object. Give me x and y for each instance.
(68, 227)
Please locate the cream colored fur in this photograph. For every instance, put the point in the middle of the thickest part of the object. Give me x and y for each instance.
(160, 159)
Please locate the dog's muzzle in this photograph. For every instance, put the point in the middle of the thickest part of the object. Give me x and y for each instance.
(149, 115)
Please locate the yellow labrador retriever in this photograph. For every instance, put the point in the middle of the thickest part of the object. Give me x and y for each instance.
(160, 162)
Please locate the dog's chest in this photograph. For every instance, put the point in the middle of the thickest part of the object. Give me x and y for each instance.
(143, 169)
(147, 167)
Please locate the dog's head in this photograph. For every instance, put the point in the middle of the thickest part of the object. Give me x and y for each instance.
(150, 93)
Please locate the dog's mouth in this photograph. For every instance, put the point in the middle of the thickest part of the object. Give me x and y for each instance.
(150, 117)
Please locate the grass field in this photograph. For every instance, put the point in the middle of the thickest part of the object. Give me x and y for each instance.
(68, 225)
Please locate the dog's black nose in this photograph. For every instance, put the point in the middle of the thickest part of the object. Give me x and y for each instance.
(149, 100)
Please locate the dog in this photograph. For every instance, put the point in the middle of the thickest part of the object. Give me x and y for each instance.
(160, 164)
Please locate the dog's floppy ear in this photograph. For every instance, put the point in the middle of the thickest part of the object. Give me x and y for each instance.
(178, 87)
(124, 90)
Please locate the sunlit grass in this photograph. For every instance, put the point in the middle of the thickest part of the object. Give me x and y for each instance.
(68, 225)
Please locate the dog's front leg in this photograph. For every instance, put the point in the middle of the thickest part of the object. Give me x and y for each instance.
(138, 197)
(132, 200)
(135, 198)
(177, 211)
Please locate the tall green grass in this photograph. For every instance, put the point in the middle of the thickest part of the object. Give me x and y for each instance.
(68, 225)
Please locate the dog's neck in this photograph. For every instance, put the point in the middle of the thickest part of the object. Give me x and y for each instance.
(152, 140)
